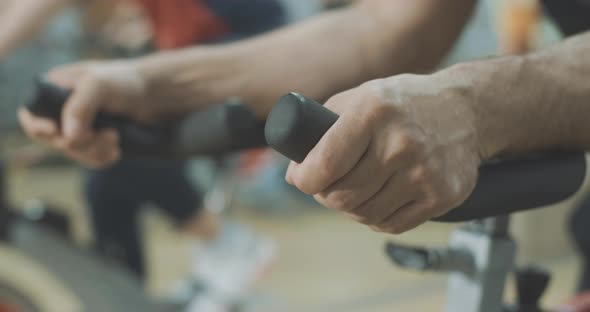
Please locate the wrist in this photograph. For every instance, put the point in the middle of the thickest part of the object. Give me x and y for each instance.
(454, 97)
(191, 79)
(489, 92)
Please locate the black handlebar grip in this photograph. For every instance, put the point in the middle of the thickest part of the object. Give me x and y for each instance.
(48, 101)
(297, 123)
(135, 140)
(218, 130)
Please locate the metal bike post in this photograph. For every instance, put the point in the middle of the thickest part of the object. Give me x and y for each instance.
(481, 287)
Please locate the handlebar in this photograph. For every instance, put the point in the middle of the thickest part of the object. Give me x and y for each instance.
(296, 124)
(218, 130)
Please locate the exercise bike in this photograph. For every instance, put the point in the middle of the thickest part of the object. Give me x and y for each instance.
(93, 282)
(481, 253)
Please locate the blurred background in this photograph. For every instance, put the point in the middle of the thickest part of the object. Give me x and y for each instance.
(320, 261)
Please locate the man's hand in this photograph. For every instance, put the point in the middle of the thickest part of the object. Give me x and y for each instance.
(115, 87)
(402, 152)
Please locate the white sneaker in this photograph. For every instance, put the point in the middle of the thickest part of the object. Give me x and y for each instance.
(234, 263)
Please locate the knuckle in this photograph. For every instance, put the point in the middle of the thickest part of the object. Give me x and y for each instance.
(375, 109)
(342, 200)
(419, 175)
(405, 145)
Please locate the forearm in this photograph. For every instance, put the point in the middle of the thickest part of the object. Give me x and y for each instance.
(21, 20)
(529, 103)
(320, 57)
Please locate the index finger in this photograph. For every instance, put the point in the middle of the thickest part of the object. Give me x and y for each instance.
(80, 110)
(337, 152)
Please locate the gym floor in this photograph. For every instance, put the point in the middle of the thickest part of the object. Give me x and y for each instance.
(326, 262)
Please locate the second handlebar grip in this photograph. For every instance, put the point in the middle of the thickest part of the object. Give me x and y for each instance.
(49, 101)
(296, 124)
(135, 139)
(215, 131)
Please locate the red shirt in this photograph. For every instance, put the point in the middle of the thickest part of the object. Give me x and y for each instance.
(180, 23)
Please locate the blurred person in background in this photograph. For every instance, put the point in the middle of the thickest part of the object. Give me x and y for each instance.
(230, 256)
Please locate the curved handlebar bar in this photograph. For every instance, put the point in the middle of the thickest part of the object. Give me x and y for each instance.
(222, 129)
(294, 127)
(296, 124)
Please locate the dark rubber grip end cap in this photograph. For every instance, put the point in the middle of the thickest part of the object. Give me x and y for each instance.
(296, 124)
(47, 100)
